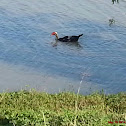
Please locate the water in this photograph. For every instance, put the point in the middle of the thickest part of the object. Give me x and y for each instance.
(26, 45)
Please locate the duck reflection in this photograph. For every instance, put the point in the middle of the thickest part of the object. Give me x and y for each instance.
(72, 44)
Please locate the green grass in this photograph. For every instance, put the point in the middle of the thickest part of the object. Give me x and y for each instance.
(32, 108)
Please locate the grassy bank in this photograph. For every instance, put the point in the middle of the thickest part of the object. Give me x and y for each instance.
(63, 109)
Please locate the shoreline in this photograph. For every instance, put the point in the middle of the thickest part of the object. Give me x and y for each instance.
(16, 77)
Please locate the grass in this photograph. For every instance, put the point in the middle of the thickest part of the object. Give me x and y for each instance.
(32, 108)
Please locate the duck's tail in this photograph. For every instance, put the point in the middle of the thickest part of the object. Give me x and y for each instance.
(80, 35)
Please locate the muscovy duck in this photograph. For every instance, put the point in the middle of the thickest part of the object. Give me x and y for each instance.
(67, 38)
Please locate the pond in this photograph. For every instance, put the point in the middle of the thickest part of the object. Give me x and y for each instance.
(29, 60)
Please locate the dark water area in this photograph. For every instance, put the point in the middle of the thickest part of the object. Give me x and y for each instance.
(99, 58)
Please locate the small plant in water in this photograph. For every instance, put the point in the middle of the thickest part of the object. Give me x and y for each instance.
(113, 1)
(111, 21)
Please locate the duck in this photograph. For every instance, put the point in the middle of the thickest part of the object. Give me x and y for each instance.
(67, 38)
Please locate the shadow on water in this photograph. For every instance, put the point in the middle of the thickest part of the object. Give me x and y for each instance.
(70, 44)
(74, 44)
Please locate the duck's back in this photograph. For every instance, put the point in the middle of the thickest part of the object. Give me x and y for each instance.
(70, 38)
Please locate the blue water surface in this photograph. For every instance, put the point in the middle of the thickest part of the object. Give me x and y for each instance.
(25, 39)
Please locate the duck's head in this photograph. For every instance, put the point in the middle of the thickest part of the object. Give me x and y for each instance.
(54, 33)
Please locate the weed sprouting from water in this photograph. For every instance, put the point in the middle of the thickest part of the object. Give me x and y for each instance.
(111, 22)
(114, 1)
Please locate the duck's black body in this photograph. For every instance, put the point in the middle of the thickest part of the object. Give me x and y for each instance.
(70, 38)
(67, 38)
